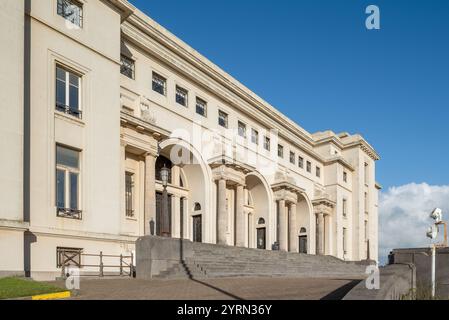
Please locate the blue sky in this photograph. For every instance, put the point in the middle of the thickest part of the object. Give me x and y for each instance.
(316, 62)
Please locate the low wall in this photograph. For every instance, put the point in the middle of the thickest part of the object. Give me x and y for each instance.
(421, 258)
(396, 281)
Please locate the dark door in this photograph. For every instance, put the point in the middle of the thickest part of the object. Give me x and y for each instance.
(261, 242)
(197, 228)
(303, 244)
(159, 198)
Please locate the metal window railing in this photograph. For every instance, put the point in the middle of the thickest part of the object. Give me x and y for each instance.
(69, 110)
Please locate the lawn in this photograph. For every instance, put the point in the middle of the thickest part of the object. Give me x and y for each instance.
(15, 287)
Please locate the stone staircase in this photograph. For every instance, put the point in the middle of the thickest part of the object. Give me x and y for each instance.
(214, 261)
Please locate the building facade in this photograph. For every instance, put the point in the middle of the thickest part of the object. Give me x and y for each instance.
(97, 98)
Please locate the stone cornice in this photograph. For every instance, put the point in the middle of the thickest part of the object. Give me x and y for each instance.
(284, 185)
(341, 160)
(143, 126)
(124, 7)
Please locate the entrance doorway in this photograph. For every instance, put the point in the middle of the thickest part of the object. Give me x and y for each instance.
(303, 244)
(159, 199)
(261, 238)
(197, 228)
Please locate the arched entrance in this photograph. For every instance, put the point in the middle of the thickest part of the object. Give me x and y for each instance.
(304, 227)
(258, 210)
(189, 190)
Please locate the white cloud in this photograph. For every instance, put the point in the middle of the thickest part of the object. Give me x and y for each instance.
(404, 215)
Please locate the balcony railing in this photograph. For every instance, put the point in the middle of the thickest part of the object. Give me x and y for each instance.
(69, 213)
(69, 110)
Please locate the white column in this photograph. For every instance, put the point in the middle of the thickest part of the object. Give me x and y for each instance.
(240, 216)
(293, 232)
(283, 237)
(176, 217)
(320, 234)
(150, 193)
(222, 214)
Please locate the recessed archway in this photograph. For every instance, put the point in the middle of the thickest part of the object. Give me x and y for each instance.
(305, 230)
(191, 186)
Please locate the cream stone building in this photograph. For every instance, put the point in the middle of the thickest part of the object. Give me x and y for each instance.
(96, 98)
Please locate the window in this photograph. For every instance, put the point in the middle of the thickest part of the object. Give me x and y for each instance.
(182, 96)
(345, 236)
(267, 143)
(366, 173)
(345, 176)
(68, 183)
(222, 119)
(68, 257)
(129, 194)
(201, 107)
(366, 230)
(318, 172)
(242, 129)
(345, 207)
(292, 157)
(309, 166)
(72, 11)
(127, 68)
(301, 162)
(366, 202)
(254, 136)
(68, 86)
(280, 151)
(159, 84)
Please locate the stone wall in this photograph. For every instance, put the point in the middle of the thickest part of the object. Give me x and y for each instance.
(396, 281)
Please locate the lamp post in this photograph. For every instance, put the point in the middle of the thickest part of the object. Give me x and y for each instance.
(165, 223)
(432, 233)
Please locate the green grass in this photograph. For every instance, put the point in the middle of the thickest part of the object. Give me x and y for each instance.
(15, 287)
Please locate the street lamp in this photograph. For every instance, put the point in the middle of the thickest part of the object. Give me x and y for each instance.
(432, 233)
(165, 223)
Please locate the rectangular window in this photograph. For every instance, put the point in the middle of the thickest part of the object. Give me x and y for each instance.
(68, 86)
(68, 257)
(309, 166)
(201, 107)
(72, 11)
(242, 129)
(301, 162)
(129, 194)
(280, 151)
(182, 96)
(366, 231)
(345, 176)
(222, 119)
(127, 67)
(366, 173)
(366, 202)
(159, 84)
(292, 157)
(345, 207)
(254, 136)
(68, 183)
(345, 244)
(267, 143)
(318, 172)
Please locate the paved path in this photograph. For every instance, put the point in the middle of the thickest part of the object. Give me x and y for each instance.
(215, 289)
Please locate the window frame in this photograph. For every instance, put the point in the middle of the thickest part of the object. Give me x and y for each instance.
(68, 211)
(157, 77)
(293, 157)
(241, 124)
(344, 207)
(281, 151)
(201, 104)
(300, 162)
(318, 171)
(267, 143)
(132, 62)
(179, 89)
(66, 108)
(345, 176)
(79, 4)
(130, 211)
(255, 134)
(309, 167)
(223, 116)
